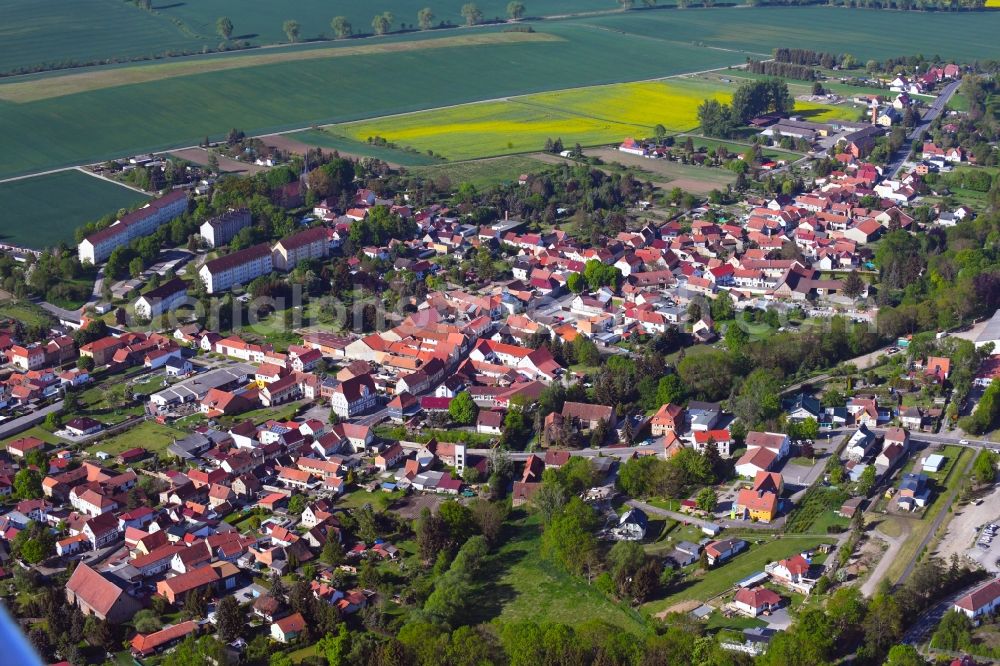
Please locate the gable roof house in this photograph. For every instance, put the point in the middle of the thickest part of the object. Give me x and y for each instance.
(668, 417)
(94, 594)
(983, 600)
(354, 396)
(764, 451)
(720, 551)
(754, 601)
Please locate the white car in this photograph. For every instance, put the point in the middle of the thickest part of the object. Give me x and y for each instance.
(963, 442)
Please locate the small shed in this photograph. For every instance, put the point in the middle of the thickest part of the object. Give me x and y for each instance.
(933, 463)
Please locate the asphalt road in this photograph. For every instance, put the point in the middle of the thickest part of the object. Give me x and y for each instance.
(932, 616)
(14, 426)
(935, 110)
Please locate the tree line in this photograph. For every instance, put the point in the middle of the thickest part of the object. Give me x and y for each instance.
(783, 69)
(809, 57)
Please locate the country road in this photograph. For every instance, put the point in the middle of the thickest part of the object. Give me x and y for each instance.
(935, 110)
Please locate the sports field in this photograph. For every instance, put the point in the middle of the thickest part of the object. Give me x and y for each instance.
(42, 211)
(588, 116)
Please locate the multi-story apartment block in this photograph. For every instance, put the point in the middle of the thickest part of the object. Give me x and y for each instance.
(166, 297)
(222, 229)
(98, 246)
(236, 268)
(309, 244)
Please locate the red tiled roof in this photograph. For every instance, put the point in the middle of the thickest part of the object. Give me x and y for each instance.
(238, 258)
(147, 643)
(94, 589)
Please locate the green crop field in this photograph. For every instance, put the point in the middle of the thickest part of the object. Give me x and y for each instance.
(166, 105)
(260, 21)
(157, 115)
(862, 32)
(59, 34)
(42, 211)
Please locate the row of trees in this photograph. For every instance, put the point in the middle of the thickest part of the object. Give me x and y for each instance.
(382, 23)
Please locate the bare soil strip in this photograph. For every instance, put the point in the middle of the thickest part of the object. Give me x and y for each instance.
(70, 84)
(200, 156)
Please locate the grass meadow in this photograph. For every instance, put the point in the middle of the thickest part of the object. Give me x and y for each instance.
(521, 585)
(43, 211)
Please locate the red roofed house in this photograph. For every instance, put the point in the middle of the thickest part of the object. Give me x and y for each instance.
(760, 505)
(937, 367)
(721, 438)
(981, 601)
(669, 417)
(95, 595)
(793, 570)
(756, 601)
(288, 628)
(21, 447)
(764, 451)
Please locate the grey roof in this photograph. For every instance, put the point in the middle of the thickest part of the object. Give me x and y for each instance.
(197, 387)
(991, 331)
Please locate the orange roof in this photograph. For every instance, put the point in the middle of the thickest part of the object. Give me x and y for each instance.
(146, 643)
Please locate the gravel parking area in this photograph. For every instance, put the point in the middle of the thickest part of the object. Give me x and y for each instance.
(965, 527)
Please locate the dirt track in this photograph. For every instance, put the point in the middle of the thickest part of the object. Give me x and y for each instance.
(200, 156)
(296, 147)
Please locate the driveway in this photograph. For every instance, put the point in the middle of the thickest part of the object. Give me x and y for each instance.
(778, 620)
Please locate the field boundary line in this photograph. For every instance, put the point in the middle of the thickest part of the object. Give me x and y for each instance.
(111, 180)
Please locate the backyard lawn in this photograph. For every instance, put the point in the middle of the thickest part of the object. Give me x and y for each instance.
(919, 529)
(150, 435)
(39, 432)
(521, 585)
(721, 578)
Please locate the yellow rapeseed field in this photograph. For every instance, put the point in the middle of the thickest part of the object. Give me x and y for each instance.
(588, 116)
